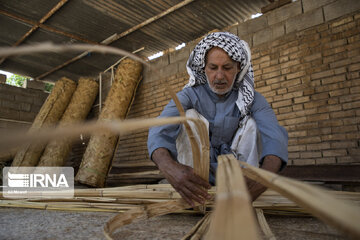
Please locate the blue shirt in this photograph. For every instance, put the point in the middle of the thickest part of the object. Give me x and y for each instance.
(223, 116)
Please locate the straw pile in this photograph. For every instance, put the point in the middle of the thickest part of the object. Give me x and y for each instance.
(84, 96)
(49, 114)
(96, 160)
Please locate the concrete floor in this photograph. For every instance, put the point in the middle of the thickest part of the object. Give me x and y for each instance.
(19, 223)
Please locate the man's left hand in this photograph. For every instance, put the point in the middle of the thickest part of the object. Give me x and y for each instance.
(271, 163)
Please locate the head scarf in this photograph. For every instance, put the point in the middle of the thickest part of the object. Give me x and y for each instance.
(238, 50)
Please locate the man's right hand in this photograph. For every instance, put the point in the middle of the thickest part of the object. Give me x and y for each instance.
(188, 184)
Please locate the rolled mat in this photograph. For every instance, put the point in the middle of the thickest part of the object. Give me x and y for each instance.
(49, 114)
(96, 160)
(57, 151)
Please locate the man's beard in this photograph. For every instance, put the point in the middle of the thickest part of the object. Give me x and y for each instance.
(222, 91)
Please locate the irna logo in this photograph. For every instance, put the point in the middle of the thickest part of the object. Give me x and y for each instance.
(36, 180)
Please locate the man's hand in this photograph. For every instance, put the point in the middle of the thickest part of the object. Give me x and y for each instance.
(189, 185)
(271, 163)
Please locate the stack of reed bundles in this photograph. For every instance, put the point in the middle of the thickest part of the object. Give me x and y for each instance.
(49, 114)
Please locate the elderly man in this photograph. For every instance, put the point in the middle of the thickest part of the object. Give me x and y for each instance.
(239, 119)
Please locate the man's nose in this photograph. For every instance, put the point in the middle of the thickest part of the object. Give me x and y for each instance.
(219, 74)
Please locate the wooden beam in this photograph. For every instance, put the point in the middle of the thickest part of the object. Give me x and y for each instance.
(116, 37)
(36, 25)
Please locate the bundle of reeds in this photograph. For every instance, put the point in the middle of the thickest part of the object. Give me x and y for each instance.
(233, 216)
(323, 205)
(80, 104)
(96, 160)
(49, 114)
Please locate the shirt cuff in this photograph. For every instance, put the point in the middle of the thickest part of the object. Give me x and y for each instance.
(162, 144)
(275, 148)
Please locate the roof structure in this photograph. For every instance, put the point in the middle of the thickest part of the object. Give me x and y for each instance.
(143, 26)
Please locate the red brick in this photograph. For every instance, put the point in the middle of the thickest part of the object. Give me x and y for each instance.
(355, 90)
(334, 153)
(271, 69)
(296, 148)
(347, 159)
(318, 117)
(351, 105)
(282, 103)
(349, 98)
(333, 137)
(281, 91)
(340, 63)
(303, 161)
(328, 160)
(285, 109)
(292, 82)
(322, 74)
(354, 67)
(297, 107)
(342, 114)
(330, 108)
(317, 146)
(333, 79)
(342, 21)
(289, 63)
(295, 120)
(271, 75)
(302, 99)
(297, 134)
(340, 92)
(294, 155)
(319, 131)
(307, 140)
(315, 104)
(295, 75)
(320, 96)
(310, 155)
(344, 144)
(353, 135)
(331, 123)
(275, 86)
(344, 129)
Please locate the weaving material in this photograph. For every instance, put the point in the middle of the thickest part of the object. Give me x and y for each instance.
(96, 161)
(58, 150)
(49, 114)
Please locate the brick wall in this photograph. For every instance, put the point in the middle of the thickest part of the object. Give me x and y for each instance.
(19, 106)
(306, 57)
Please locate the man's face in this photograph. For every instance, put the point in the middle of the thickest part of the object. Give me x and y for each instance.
(220, 71)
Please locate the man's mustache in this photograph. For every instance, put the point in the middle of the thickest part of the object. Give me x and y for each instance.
(220, 82)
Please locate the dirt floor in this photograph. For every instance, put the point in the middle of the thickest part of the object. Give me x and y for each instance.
(19, 223)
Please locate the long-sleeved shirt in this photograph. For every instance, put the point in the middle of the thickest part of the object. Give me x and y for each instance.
(224, 117)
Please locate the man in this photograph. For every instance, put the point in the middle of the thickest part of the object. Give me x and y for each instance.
(240, 121)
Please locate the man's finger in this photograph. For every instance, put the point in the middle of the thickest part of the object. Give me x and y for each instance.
(197, 190)
(188, 200)
(198, 180)
(192, 195)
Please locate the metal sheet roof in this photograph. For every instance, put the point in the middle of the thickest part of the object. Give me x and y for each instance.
(78, 21)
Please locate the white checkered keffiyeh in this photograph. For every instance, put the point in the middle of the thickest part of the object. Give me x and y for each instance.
(239, 51)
